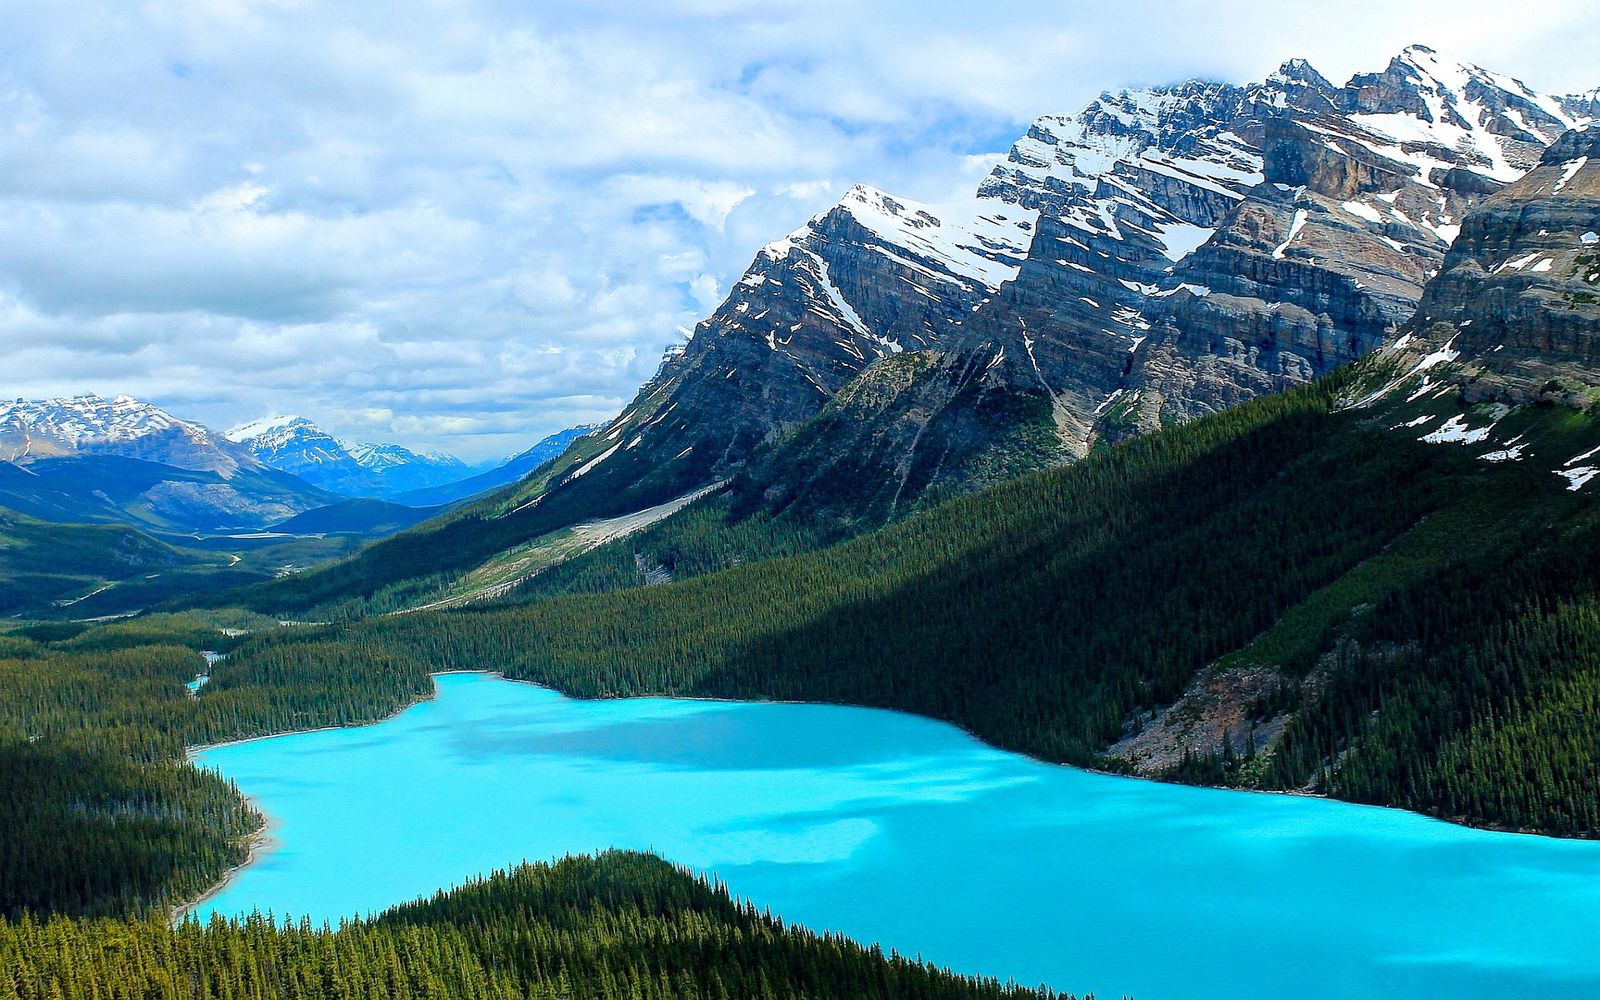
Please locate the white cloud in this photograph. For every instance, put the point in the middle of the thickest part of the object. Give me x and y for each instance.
(479, 222)
(706, 290)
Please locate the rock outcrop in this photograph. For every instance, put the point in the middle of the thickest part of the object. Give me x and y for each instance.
(1514, 316)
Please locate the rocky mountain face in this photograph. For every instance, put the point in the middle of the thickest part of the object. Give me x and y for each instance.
(1163, 254)
(1583, 107)
(299, 447)
(1504, 345)
(873, 277)
(1352, 197)
(39, 429)
(1514, 315)
(1204, 244)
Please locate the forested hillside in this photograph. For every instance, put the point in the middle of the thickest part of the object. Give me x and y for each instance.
(616, 927)
(1419, 627)
(1411, 615)
(101, 813)
(53, 570)
(45, 566)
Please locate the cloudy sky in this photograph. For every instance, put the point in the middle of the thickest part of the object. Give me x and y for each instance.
(465, 223)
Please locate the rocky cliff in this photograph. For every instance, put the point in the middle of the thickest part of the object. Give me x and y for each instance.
(1514, 316)
(1162, 254)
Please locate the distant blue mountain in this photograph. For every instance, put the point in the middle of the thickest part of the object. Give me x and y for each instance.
(514, 469)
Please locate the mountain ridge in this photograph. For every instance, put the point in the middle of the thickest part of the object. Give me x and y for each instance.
(296, 445)
(1165, 253)
(1188, 248)
(91, 424)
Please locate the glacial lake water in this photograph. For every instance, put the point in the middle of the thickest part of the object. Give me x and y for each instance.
(905, 831)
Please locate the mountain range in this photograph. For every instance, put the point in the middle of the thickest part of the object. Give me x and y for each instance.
(1163, 254)
(94, 460)
(91, 459)
(1160, 255)
(513, 469)
(298, 446)
(42, 429)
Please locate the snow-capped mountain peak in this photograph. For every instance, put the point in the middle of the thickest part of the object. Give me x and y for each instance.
(1162, 252)
(1165, 162)
(1298, 71)
(972, 241)
(121, 425)
(295, 445)
(969, 238)
(381, 458)
(290, 443)
(93, 417)
(253, 429)
(1439, 113)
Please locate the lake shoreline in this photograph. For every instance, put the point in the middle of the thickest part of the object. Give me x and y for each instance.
(892, 828)
(262, 843)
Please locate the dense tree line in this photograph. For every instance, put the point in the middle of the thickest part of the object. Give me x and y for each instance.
(706, 537)
(616, 927)
(1473, 693)
(1436, 600)
(99, 811)
(1081, 593)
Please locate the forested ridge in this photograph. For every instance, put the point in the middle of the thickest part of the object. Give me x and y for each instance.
(1433, 621)
(1436, 604)
(620, 926)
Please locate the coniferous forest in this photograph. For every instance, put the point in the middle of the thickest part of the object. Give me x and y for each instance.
(1433, 622)
(1433, 602)
(1221, 432)
(614, 927)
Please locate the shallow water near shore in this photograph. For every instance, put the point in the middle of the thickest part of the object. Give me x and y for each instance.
(897, 829)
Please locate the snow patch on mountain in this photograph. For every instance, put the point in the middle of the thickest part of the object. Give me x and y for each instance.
(1458, 114)
(975, 238)
(257, 428)
(979, 241)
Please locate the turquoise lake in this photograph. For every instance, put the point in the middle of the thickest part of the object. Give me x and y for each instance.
(896, 829)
